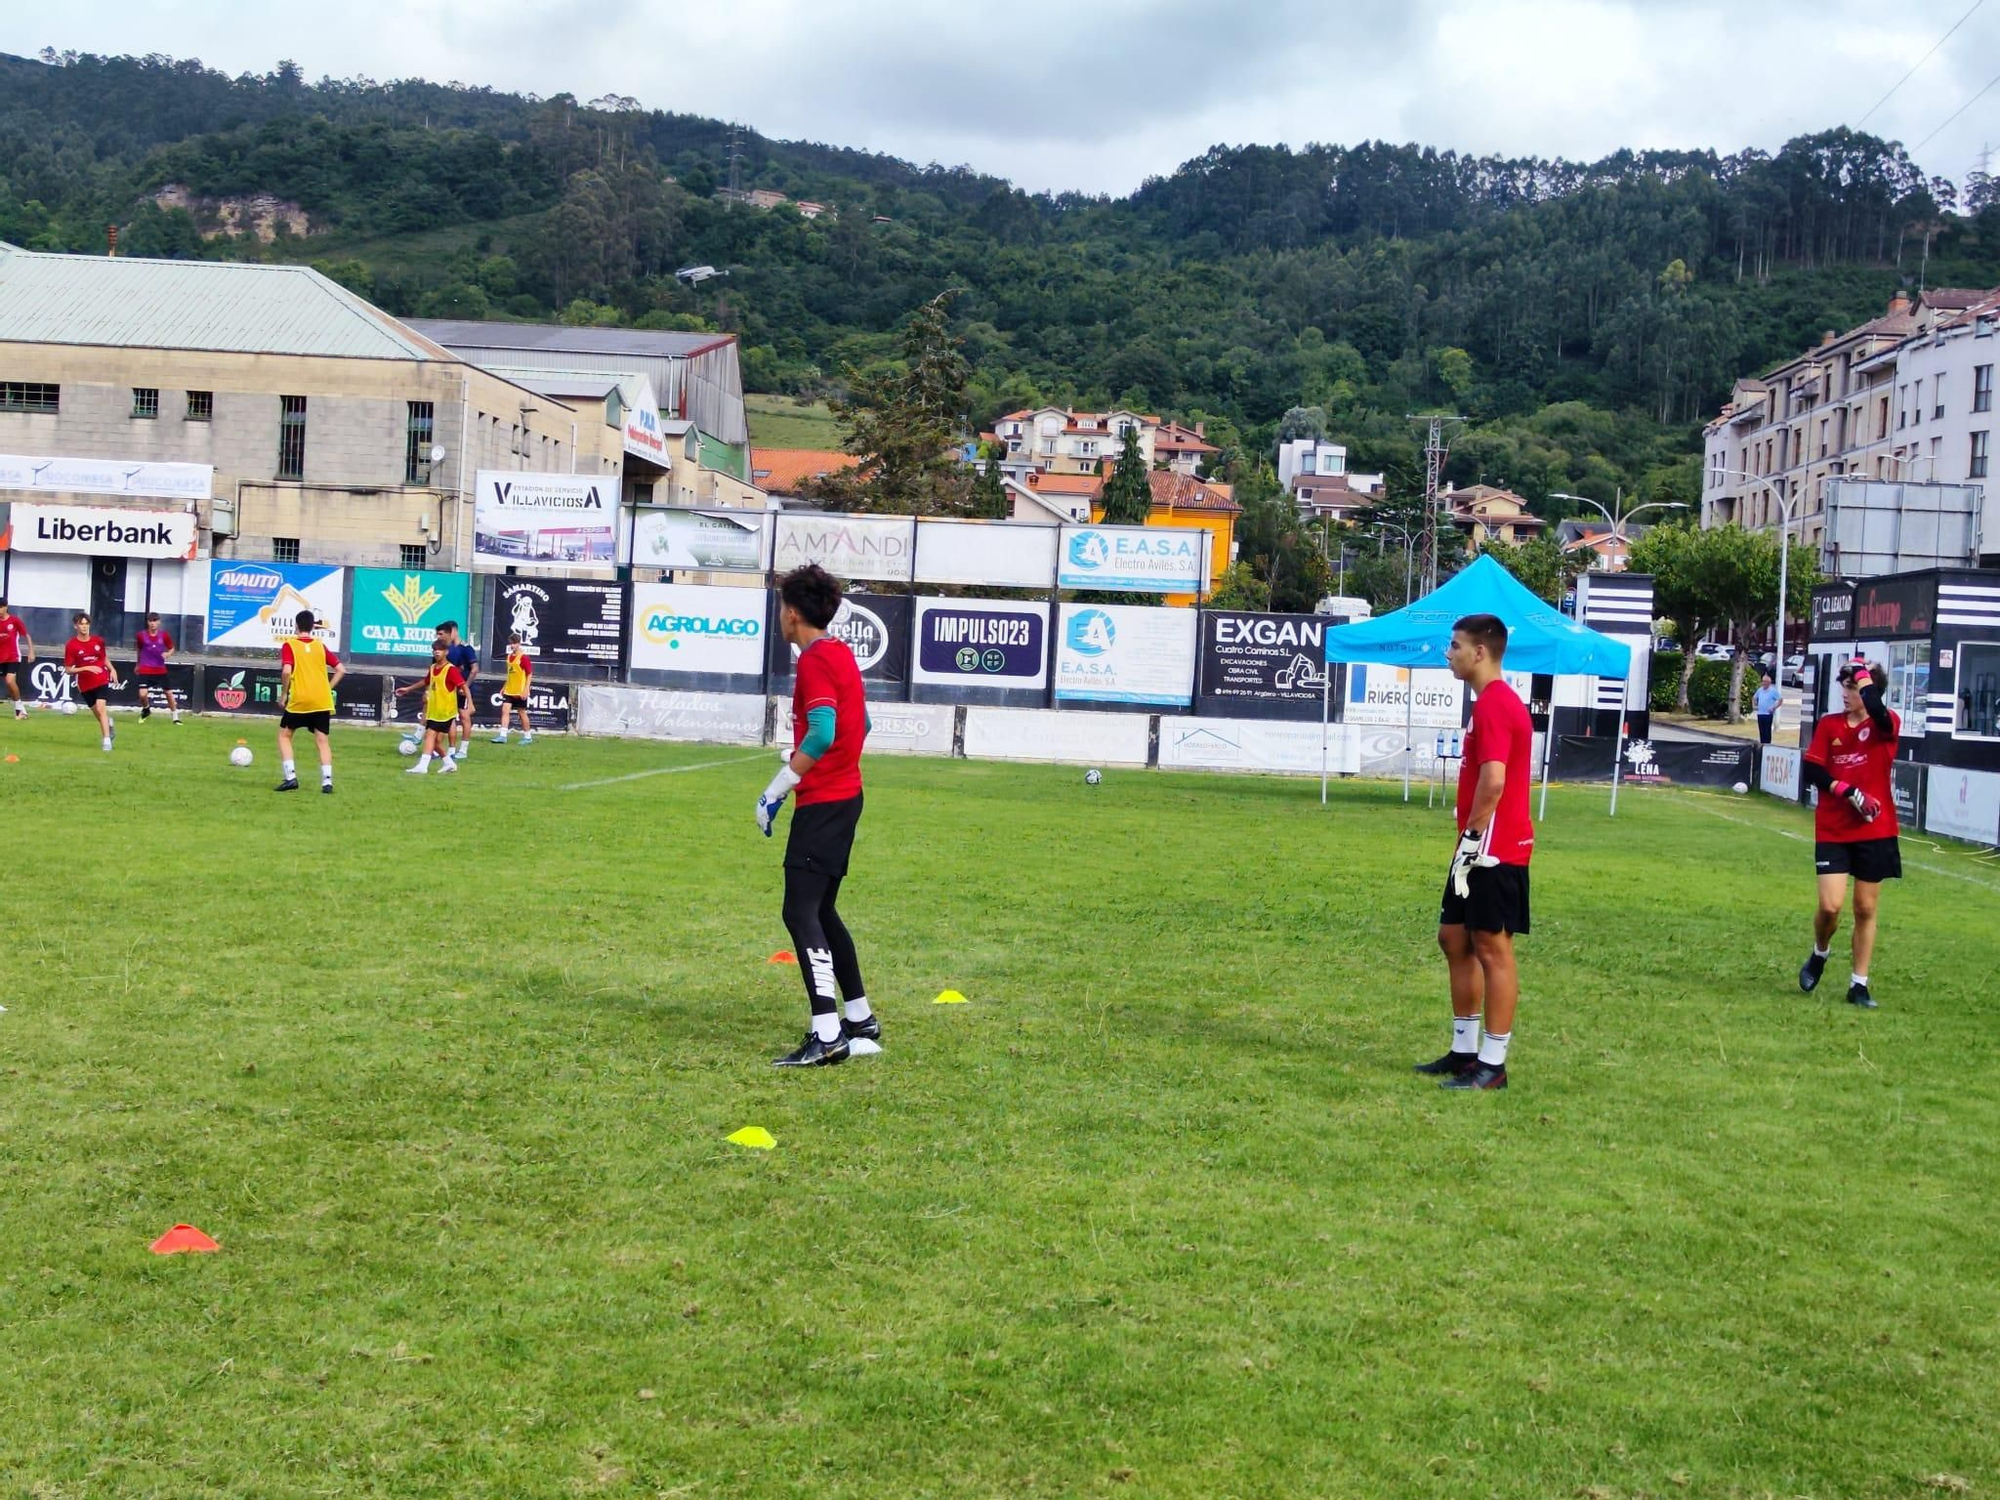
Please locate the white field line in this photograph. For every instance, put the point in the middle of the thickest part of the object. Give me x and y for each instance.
(1786, 833)
(700, 765)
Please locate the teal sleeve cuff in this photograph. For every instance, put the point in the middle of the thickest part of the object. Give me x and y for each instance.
(819, 732)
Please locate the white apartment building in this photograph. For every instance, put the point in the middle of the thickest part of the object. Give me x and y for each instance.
(1060, 440)
(1907, 396)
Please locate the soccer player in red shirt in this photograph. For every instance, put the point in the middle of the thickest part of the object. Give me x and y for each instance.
(17, 650)
(1854, 824)
(1486, 891)
(829, 725)
(88, 661)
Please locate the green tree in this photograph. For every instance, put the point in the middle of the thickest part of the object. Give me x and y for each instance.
(1541, 565)
(989, 492)
(1128, 493)
(900, 421)
(1738, 571)
(1239, 587)
(1672, 555)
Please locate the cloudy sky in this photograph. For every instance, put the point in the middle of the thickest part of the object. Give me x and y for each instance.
(1098, 97)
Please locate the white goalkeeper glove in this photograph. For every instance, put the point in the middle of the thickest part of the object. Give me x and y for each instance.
(1465, 857)
(773, 797)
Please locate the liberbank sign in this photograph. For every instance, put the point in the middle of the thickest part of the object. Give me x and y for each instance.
(100, 531)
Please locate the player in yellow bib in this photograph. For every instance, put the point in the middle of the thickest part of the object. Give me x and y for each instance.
(308, 674)
(514, 692)
(440, 686)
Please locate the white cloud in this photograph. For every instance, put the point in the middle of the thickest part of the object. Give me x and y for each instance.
(1096, 98)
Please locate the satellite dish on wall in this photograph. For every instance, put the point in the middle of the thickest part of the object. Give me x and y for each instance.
(437, 453)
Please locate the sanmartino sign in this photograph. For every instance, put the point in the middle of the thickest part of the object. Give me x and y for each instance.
(876, 628)
(982, 643)
(101, 531)
(1833, 612)
(1895, 606)
(560, 622)
(1262, 665)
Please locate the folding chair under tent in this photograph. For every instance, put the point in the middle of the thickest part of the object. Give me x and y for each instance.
(1540, 639)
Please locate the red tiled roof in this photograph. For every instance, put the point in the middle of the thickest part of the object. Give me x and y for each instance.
(1066, 484)
(1185, 492)
(780, 471)
(1174, 438)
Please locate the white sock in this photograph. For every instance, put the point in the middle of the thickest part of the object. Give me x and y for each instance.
(291, 770)
(857, 1009)
(424, 761)
(1860, 979)
(1493, 1051)
(826, 1025)
(1818, 952)
(326, 775)
(1465, 1033)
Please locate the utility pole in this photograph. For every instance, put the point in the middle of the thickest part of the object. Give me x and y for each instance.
(1435, 452)
(735, 165)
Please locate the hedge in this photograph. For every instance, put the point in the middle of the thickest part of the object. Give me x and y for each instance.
(1708, 689)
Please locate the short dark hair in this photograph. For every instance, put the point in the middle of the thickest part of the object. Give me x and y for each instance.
(813, 592)
(79, 618)
(152, 614)
(437, 643)
(1489, 631)
(451, 625)
(514, 638)
(304, 622)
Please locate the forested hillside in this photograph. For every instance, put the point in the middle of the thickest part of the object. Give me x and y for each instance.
(1583, 316)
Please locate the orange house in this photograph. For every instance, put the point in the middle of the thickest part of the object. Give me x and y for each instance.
(1182, 500)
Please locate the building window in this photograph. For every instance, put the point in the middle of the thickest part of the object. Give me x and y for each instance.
(1978, 709)
(417, 443)
(1907, 692)
(284, 549)
(1976, 467)
(292, 440)
(201, 406)
(145, 401)
(29, 395)
(1982, 388)
(413, 555)
(1937, 399)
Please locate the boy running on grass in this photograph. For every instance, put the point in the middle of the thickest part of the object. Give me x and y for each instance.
(88, 662)
(829, 724)
(514, 692)
(1486, 892)
(441, 686)
(1854, 824)
(17, 651)
(307, 675)
(155, 646)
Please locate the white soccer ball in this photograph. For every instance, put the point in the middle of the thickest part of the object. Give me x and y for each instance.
(241, 756)
(1092, 776)
(69, 708)
(406, 746)
(1740, 788)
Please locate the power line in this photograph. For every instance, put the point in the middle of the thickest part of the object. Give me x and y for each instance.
(1919, 63)
(1955, 114)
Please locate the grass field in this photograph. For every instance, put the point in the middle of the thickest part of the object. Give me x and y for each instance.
(447, 1067)
(786, 422)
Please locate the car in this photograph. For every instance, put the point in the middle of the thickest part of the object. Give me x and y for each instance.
(1714, 651)
(1795, 670)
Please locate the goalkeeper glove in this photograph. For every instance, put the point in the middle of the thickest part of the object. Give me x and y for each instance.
(773, 797)
(1865, 806)
(1465, 857)
(1858, 673)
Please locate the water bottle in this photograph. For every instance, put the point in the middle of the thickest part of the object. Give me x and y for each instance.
(1454, 745)
(1440, 745)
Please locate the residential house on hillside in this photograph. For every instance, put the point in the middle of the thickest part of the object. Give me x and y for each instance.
(1314, 472)
(1062, 440)
(1613, 548)
(1182, 449)
(783, 473)
(1487, 513)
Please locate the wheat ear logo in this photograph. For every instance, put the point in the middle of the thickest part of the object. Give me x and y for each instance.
(411, 599)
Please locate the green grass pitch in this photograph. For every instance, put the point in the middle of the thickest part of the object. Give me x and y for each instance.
(448, 1067)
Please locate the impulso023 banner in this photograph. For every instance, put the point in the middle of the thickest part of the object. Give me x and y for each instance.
(397, 613)
(982, 643)
(561, 623)
(253, 605)
(1123, 653)
(1262, 664)
(706, 628)
(875, 627)
(544, 520)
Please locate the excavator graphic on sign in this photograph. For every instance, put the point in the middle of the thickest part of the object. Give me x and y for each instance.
(1301, 671)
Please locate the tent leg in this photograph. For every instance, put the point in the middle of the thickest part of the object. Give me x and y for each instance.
(1548, 740)
(1409, 716)
(1617, 762)
(1325, 711)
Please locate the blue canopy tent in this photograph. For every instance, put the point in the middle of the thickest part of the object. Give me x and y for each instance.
(1539, 639)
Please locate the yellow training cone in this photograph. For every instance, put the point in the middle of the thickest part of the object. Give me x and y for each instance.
(756, 1137)
(949, 997)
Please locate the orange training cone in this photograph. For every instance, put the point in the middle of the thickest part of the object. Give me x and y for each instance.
(183, 1238)
(782, 956)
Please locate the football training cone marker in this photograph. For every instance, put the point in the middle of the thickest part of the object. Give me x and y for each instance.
(13, 760)
(949, 997)
(183, 1238)
(783, 956)
(756, 1137)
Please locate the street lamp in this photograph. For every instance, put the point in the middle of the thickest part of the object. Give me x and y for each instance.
(1785, 505)
(1615, 516)
(1408, 551)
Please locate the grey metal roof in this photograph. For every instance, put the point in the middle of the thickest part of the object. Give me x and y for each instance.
(585, 384)
(231, 307)
(558, 338)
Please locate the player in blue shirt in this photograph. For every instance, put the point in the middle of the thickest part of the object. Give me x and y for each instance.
(462, 656)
